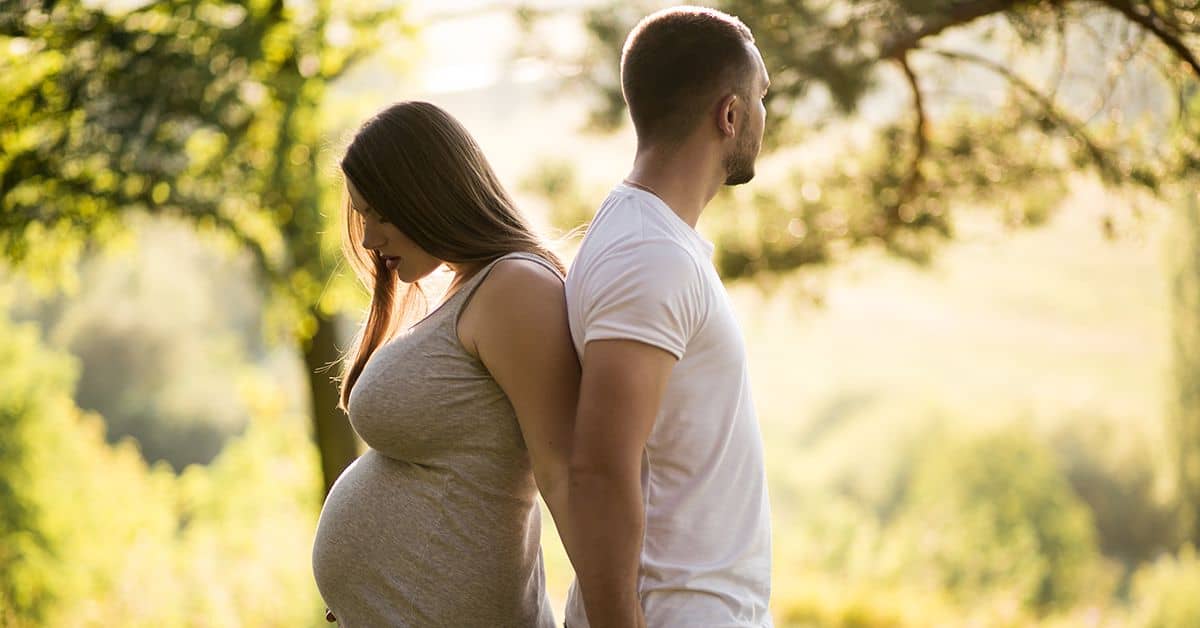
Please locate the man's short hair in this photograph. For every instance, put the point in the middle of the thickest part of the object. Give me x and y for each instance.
(675, 61)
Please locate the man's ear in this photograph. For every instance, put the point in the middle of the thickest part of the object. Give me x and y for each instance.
(727, 114)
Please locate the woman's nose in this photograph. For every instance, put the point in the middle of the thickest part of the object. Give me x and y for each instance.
(371, 239)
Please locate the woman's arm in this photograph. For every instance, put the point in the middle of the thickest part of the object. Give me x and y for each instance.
(516, 323)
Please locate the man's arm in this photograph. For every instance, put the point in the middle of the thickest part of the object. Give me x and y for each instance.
(620, 391)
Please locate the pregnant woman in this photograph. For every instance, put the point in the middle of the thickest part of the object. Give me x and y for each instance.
(466, 411)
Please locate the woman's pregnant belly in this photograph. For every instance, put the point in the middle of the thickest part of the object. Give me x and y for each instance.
(378, 540)
(400, 544)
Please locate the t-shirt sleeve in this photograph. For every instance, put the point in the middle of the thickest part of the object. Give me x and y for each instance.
(651, 292)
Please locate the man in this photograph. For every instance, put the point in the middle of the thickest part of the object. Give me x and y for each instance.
(667, 500)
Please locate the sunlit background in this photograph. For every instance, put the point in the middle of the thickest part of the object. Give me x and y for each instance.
(968, 273)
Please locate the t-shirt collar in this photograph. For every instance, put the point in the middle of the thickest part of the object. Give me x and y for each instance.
(688, 231)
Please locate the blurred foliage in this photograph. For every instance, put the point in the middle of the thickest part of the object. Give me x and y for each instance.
(202, 109)
(902, 188)
(987, 532)
(1167, 592)
(162, 326)
(971, 160)
(89, 535)
(1116, 476)
(994, 516)
(555, 179)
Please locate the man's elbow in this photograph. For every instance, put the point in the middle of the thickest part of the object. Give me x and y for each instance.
(581, 475)
(590, 473)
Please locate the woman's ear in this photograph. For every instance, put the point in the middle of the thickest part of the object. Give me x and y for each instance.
(727, 114)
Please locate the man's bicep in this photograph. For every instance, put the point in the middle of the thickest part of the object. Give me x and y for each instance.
(621, 389)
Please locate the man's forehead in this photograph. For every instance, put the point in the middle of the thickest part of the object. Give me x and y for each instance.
(763, 76)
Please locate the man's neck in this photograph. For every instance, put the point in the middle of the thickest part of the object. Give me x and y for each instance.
(685, 179)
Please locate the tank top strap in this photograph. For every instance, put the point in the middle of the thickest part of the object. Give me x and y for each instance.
(467, 292)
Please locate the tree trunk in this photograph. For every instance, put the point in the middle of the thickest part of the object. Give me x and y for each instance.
(336, 441)
(1186, 344)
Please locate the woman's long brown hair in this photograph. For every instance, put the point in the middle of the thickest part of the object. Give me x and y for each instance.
(422, 172)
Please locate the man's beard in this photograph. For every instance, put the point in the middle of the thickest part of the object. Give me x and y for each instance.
(739, 165)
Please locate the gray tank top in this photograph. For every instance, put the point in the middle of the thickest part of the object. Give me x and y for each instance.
(437, 523)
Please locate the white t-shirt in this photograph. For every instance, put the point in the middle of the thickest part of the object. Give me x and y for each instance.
(643, 274)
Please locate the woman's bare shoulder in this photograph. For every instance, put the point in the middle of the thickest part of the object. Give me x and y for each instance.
(516, 292)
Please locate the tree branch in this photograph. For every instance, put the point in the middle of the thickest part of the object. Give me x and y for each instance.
(1116, 69)
(957, 14)
(919, 133)
(1161, 29)
(1060, 67)
(1060, 118)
